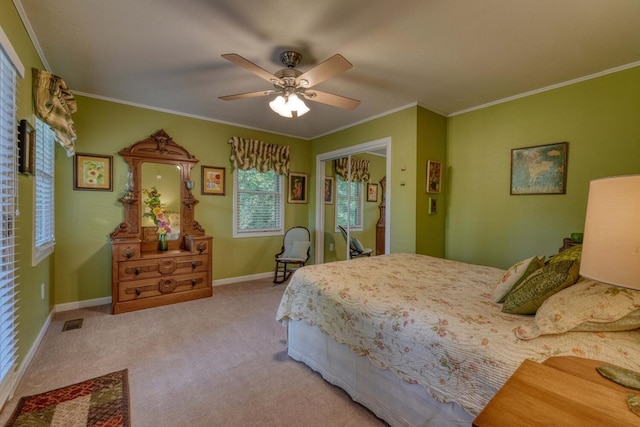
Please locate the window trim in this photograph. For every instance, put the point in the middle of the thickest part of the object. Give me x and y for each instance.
(42, 252)
(245, 234)
(348, 227)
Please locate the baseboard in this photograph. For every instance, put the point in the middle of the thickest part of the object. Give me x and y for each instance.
(82, 304)
(238, 279)
(26, 361)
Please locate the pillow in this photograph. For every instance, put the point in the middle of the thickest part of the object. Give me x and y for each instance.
(514, 275)
(571, 254)
(357, 245)
(540, 285)
(587, 306)
(297, 251)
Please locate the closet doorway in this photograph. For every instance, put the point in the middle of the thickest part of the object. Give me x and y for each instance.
(325, 225)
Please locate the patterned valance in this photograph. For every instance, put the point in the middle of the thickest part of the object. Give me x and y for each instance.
(54, 103)
(359, 169)
(251, 153)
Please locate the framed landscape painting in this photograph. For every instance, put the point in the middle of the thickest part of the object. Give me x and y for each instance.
(541, 169)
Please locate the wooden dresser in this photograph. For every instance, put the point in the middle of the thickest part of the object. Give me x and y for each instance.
(143, 276)
(144, 279)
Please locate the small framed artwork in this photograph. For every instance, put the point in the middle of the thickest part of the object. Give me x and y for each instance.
(434, 176)
(372, 192)
(297, 187)
(92, 172)
(213, 180)
(540, 169)
(328, 190)
(26, 148)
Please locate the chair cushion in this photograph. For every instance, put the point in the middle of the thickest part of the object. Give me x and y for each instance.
(357, 245)
(297, 251)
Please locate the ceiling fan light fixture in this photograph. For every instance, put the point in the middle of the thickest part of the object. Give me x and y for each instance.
(286, 107)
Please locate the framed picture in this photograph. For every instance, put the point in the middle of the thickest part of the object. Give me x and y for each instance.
(434, 176)
(297, 187)
(328, 190)
(372, 192)
(26, 148)
(539, 170)
(213, 180)
(92, 172)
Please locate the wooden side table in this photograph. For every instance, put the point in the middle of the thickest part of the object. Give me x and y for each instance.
(561, 391)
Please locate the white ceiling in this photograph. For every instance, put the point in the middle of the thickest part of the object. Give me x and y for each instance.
(446, 55)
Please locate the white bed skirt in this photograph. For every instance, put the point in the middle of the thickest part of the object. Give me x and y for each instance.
(384, 393)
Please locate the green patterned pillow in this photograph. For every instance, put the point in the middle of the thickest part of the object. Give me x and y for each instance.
(571, 254)
(540, 285)
(514, 275)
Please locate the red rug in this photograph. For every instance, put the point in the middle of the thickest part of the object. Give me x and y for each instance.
(98, 402)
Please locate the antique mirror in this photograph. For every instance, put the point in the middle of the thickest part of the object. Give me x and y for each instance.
(158, 164)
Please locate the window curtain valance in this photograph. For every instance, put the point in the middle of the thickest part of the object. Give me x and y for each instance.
(251, 153)
(54, 103)
(359, 169)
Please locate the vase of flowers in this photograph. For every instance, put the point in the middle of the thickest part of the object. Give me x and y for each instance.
(155, 210)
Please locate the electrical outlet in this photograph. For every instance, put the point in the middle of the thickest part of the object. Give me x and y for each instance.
(42, 290)
(330, 247)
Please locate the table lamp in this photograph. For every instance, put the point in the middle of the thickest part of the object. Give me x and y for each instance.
(611, 250)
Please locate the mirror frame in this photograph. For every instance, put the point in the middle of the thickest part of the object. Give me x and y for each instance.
(157, 148)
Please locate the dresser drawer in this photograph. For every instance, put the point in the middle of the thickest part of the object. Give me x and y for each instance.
(162, 286)
(159, 267)
(126, 251)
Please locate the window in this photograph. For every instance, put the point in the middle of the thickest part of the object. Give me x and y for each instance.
(44, 236)
(258, 203)
(10, 67)
(348, 204)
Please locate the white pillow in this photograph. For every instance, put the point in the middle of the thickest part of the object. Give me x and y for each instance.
(297, 251)
(587, 306)
(514, 275)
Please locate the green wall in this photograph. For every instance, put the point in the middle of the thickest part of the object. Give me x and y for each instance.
(32, 309)
(431, 143)
(600, 118)
(84, 219)
(401, 128)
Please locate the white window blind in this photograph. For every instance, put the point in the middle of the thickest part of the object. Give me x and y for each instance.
(44, 231)
(8, 211)
(348, 204)
(258, 203)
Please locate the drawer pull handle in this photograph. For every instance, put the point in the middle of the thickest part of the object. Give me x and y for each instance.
(129, 254)
(193, 264)
(138, 292)
(193, 282)
(201, 247)
(137, 271)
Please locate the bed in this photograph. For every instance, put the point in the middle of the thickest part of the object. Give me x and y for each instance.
(419, 340)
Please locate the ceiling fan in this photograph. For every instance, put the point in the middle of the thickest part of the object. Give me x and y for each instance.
(293, 86)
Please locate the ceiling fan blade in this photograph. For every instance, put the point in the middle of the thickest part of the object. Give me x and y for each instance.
(251, 67)
(331, 99)
(325, 70)
(249, 95)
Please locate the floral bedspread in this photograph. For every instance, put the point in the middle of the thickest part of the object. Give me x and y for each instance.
(433, 322)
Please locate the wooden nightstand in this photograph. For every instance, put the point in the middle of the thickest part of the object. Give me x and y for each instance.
(561, 391)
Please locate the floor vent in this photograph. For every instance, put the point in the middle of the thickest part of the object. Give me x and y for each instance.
(72, 324)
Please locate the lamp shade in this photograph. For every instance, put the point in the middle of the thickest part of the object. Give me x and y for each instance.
(287, 106)
(611, 246)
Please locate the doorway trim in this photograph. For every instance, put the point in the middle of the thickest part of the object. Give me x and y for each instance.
(378, 144)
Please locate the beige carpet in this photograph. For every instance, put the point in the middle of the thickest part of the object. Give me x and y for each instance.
(217, 361)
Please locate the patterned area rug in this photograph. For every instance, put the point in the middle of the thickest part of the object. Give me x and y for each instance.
(101, 401)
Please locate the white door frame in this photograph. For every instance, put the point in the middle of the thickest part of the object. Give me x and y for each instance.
(378, 144)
